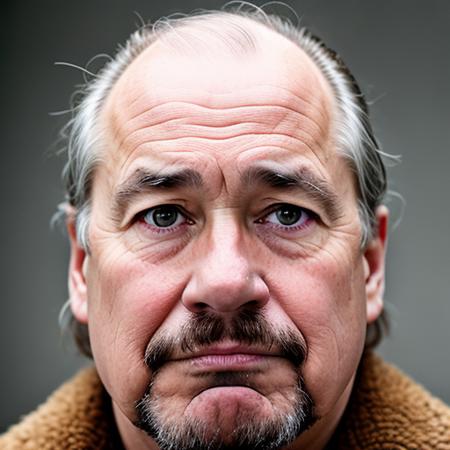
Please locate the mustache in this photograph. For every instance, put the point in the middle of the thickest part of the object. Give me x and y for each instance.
(206, 328)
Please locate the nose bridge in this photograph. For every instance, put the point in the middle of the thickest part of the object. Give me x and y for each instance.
(226, 251)
(224, 276)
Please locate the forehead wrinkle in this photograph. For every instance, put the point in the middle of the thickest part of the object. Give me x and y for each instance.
(295, 96)
(225, 144)
(309, 140)
(285, 117)
(309, 106)
(176, 111)
(193, 144)
(213, 100)
(230, 133)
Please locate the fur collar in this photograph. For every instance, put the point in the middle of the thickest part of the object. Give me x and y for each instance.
(387, 410)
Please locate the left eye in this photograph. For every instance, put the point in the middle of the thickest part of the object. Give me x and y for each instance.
(288, 216)
(164, 216)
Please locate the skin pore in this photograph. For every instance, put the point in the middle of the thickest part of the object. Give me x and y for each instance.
(221, 193)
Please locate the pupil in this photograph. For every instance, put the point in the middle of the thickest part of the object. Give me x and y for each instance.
(288, 216)
(164, 217)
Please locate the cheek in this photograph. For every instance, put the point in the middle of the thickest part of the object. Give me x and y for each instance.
(326, 302)
(128, 301)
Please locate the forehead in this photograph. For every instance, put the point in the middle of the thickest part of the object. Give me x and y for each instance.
(174, 106)
(219, 68)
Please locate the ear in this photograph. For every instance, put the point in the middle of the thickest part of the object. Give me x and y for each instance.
(374, 268)
(77, 267)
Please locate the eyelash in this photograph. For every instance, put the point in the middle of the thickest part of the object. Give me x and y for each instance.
(164, 208)
(277, 208)
(264, 220)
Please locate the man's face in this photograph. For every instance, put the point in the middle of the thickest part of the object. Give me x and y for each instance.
(225, 284)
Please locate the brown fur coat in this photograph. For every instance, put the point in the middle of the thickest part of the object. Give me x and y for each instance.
(387, 411)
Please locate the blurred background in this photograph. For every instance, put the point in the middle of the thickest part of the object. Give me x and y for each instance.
(400, 53)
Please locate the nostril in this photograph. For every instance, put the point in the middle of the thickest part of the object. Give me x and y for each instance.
(253, 304)
(201, 306)
(212, 291)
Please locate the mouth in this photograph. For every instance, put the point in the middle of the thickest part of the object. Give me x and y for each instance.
(229, 357)
(236, 361)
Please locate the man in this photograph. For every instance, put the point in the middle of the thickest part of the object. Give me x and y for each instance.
(227, 252)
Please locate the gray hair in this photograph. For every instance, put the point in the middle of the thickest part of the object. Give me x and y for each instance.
(354, 135)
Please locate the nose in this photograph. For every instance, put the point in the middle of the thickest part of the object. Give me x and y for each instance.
(224, 277)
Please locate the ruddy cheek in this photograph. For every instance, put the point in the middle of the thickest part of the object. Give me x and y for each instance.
(327, 316)
(128, 309)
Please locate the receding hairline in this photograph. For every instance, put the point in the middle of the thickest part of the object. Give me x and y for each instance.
(260, 40)
(281, 49)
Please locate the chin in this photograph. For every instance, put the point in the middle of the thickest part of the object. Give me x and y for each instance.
(227, 414)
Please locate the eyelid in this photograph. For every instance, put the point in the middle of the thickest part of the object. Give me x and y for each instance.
(145, 211)
(275, 206)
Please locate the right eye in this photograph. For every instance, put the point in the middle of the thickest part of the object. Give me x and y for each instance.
(165, 217)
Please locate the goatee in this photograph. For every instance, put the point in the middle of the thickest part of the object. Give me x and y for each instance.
(250, 432)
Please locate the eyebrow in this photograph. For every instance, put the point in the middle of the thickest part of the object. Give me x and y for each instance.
(143, 181)
(302, 179)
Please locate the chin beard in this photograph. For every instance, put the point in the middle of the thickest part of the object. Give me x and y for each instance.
(187, 433)
(250, 432)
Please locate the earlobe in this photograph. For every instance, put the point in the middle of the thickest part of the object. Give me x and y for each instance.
(374, 266)
(77, 270)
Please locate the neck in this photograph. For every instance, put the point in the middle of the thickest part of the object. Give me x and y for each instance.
(132, 437)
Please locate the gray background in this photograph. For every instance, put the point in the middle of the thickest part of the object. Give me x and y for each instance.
(398, 50)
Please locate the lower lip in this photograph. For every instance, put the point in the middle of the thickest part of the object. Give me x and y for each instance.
(234, 361)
